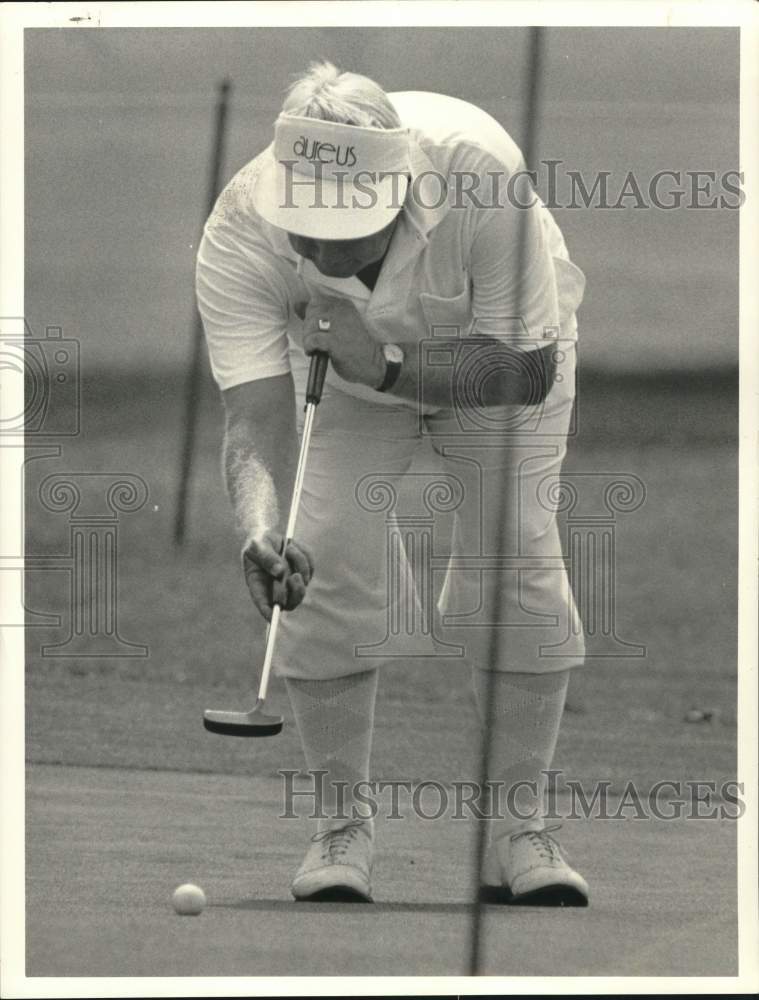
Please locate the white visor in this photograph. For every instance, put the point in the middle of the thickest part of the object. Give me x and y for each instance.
(331, 181)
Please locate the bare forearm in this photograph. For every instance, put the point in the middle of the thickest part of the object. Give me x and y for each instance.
(260, 457)
(473, 373)
(259, 467)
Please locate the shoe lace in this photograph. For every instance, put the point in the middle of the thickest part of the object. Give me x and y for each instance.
(542, 841)
(336, 842)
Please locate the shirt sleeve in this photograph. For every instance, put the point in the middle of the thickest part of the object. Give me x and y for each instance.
(508, 240)
(244, 308)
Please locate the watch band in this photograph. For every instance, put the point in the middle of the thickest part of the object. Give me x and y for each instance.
(393, 356)
(393, 361)
(392, 372)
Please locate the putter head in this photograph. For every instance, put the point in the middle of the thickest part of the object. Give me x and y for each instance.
(252, 723)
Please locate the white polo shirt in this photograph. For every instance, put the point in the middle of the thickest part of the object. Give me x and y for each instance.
(451, 267)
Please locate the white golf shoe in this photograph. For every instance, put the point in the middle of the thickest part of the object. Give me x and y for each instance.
(527, 868)
(338, 865)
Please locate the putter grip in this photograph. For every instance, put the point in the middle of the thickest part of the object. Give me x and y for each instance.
(316, 374)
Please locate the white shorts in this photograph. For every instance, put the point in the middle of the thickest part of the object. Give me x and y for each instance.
(430, 533)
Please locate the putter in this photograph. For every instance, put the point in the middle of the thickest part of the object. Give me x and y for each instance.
(256, 722)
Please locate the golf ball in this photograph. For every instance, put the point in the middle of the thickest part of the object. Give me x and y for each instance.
(189, 900)
(700, 715)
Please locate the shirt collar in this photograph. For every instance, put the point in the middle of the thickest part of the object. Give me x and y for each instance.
(427, 201)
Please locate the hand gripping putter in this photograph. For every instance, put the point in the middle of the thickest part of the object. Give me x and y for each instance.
(256, 722)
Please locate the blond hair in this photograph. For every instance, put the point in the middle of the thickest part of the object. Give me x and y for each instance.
(348, 98)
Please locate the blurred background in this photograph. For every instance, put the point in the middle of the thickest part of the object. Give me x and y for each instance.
(118, 129)
(118, 134)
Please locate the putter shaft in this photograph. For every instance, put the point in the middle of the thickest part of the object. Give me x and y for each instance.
(255, 722)
(271, 634)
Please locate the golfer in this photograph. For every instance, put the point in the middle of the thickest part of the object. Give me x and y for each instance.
(397, 232)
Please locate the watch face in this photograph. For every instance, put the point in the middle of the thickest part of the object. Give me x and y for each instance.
(393, 354)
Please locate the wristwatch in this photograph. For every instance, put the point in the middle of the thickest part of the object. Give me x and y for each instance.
(393, 359)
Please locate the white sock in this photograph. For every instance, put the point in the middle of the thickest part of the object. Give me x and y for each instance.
(335, 719)
(526, 715)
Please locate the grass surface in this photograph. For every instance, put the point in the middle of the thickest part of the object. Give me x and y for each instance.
(105, 851)
(127, 795)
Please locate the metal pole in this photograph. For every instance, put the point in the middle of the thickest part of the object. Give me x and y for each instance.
(194, 370)
(529, 138)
